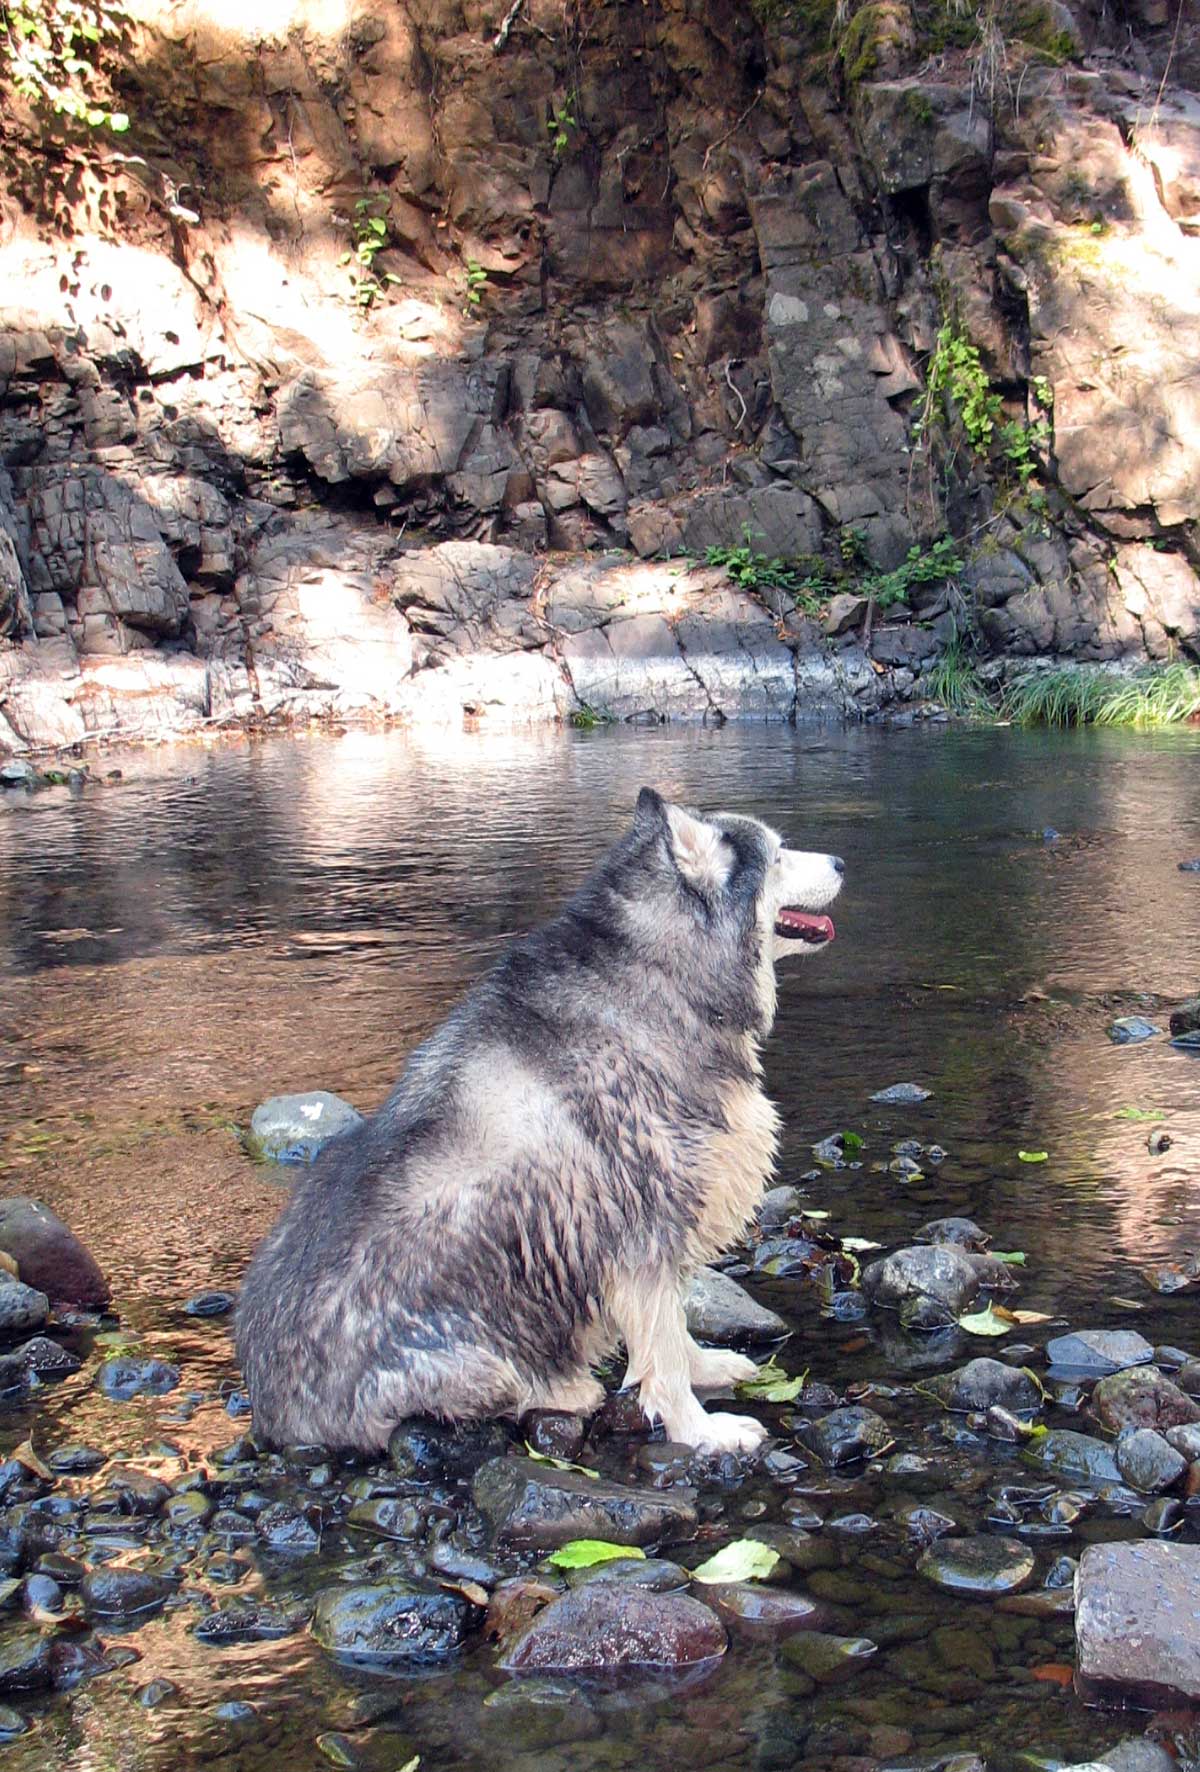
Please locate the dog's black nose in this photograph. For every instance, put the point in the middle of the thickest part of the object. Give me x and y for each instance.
(839, 866)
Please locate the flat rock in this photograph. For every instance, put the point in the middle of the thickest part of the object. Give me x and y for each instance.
(391, 1620)
(902, 1095)
(210, 1304)
(1099, 1351)
(613, 1627)
(293, 1128)
(983, 1565)
(983, 1382)
(721, 1311)
(49, 1254)
(1142, 1396)
(535, 1507)
(963, 1231)
(1135, 1622)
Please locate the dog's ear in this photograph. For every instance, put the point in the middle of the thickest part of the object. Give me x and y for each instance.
(699, 852)
(651, 814)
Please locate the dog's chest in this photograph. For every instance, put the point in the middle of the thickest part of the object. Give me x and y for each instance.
(733, 1168)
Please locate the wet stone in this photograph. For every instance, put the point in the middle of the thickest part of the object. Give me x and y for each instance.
(722, 1312)
(21, 1307)
(845, 1435)
(554, 1433)
(1148, 1462)
(1101, 1351)
(1188, 1378)
(1137, 1753)
(984, 1384)
(76, 1460)
(388, 1515)
(901, 1095)
(187, 1510)
(981, 1565)
(962, 1231)
(1185, 1440)
(537, 1714)
(11, 1723)
(826, 1659)
(122, 1378)
(656, 1574)
(432, 1451)
(778, 1205)
(282, 1527)
(937, 1271)
(1142, 1397)
(1135, 1632)
(154, 1693)
(247, 1621)
(122, 1593)
(48, 1254)
(610, 1627)
(760, 1613)
(26, 1663)
(536, 1507)
(393, 1620)
(1073, 1454)
(1186, 1018)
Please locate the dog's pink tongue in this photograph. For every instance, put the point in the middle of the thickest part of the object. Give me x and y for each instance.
(817, 929)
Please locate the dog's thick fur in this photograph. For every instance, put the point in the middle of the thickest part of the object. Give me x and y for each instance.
(584, 1130)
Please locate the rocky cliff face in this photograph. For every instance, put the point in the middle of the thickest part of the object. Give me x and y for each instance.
(628, 281)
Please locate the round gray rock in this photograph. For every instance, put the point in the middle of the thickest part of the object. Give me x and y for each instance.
(1148, 1463)
(721, 1311)
(293, 1128)
(940, 1271)
(982, 1383)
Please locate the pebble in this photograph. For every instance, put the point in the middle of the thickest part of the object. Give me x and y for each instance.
(902, 1095)
(978, 1565)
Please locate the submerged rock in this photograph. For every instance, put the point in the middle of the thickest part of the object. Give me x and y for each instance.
(293, 1128)
(1135, 1622)
(1073, 1454)
(122, 1377)
(939, 1271)
(1099, 1351)
(391, 1620)
(721, 1311)
(902, 1095)
(1142, 1396)
(1130, 1030)
(49, 1254)
(614, 1627)
(828, 1659)
(46, 1358)
(123, 1593)
(26, 1663)
(980, 1565)
(983, 1384)
(536, 1507)
(760, 1613)
(210, 1304)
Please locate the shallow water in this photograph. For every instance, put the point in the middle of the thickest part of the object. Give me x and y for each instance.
(227, 924)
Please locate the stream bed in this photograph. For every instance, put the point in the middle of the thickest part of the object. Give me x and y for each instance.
(222, 925)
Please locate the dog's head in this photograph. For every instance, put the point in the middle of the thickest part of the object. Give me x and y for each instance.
(737, 885)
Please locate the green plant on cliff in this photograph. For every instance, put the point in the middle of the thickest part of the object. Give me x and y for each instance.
(956, 384)
(369, 232)
(50, 53)
(560, 123)
(477, 279)
(921, 566)
(753, 571)
(954, 681)
(810, 581)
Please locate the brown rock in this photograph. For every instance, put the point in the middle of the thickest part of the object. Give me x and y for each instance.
(609, 1626)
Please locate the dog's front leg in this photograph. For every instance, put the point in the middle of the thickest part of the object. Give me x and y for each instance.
(646, 1309)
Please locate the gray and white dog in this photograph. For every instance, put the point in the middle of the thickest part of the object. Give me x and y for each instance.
(585, 1129)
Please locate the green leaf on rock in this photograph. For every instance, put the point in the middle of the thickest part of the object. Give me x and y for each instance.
(1014, 1257)
(851, 1141)
(743, 1560)
(771, 1384)
(984, 1322)
(585, 1553)
(560, 1464)
(1034, 1156)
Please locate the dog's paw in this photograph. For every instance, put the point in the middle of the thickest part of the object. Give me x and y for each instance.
(712, 1368)
(731, 1433)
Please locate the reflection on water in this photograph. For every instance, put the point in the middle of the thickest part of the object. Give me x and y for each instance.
(226, 924)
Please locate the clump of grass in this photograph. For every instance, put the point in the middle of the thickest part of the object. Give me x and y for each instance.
(954, 681)
(1082, 695)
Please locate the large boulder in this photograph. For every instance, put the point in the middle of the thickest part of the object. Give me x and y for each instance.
(1135, 1612)
(49, 1255)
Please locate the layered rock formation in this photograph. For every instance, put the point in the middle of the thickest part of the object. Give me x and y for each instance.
(648, 279)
